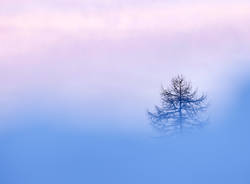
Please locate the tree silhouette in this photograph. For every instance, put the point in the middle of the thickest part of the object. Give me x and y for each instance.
(181, 108)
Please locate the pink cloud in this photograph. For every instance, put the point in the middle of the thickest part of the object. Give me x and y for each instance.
(39, 25)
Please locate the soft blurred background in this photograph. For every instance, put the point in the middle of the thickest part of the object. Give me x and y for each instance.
(77, 78)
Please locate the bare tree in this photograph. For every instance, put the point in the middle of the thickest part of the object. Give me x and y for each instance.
(181, 108)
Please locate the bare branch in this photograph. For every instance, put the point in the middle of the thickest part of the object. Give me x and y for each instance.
(180, 107)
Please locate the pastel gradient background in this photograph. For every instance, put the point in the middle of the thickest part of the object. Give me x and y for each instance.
(77, 78)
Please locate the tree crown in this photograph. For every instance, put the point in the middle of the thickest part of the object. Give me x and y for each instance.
(180, 108)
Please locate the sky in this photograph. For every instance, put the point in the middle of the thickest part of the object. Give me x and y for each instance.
(77, 78)
(92, 54)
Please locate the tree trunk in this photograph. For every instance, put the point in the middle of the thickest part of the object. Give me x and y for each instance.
(180, 109)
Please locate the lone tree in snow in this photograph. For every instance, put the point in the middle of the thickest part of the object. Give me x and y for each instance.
(181, 108)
